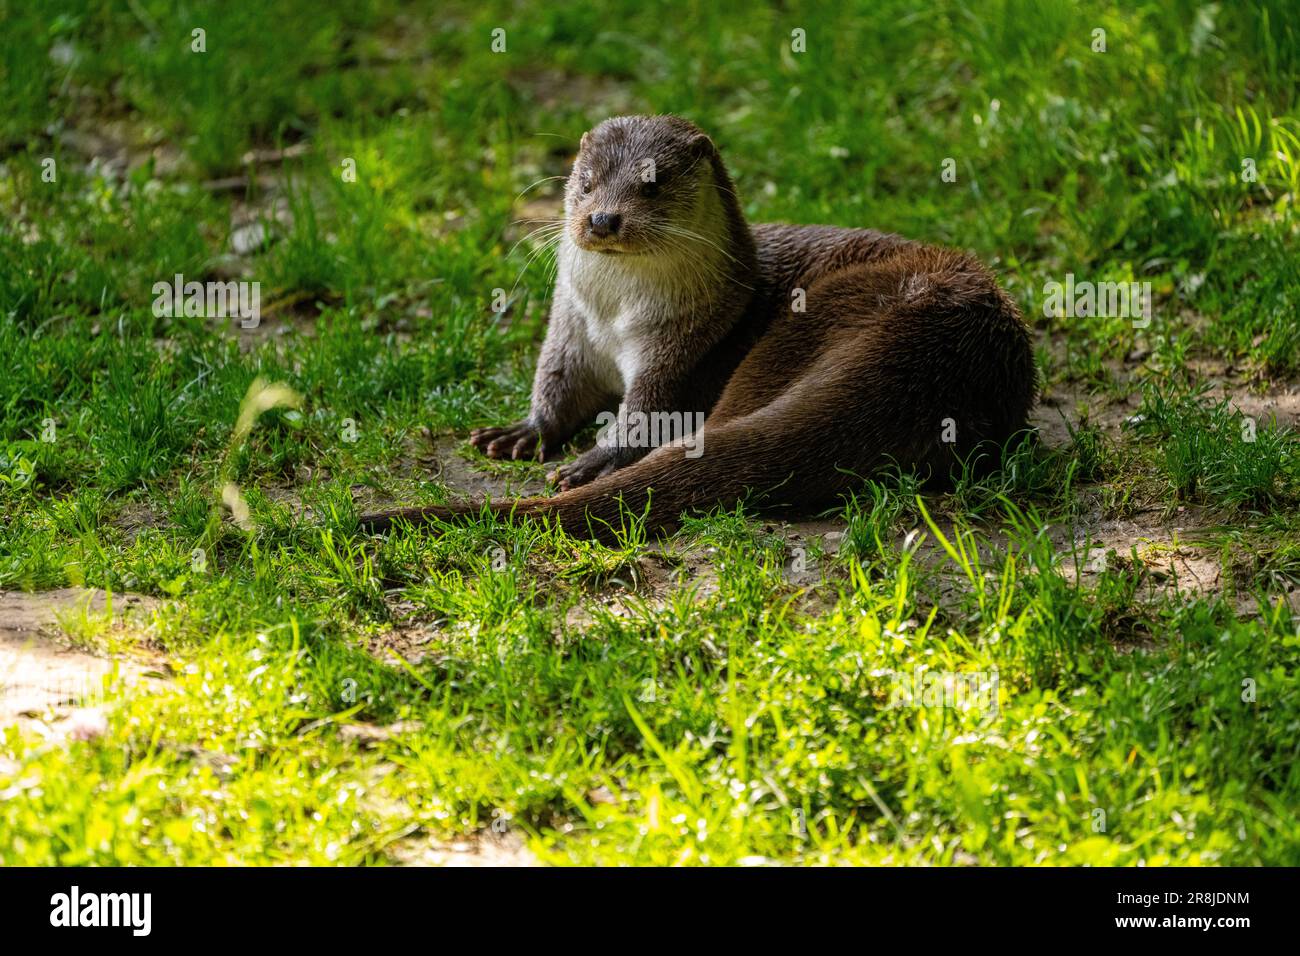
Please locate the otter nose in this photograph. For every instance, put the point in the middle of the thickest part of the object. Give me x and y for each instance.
(604, 223)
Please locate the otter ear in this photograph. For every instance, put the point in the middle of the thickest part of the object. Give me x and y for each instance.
(701, 145)
(582, 144)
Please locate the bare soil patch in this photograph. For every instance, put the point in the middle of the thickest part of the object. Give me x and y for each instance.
(47, 683)
(485, 848)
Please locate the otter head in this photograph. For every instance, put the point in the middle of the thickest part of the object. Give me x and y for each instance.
(643, 185)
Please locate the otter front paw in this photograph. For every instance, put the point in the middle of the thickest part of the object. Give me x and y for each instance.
(587, 467)
(521, 440)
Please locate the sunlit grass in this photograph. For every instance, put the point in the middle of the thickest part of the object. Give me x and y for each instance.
(334, 698)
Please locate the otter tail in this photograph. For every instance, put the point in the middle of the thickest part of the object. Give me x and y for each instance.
(733, 464)
(798, 451)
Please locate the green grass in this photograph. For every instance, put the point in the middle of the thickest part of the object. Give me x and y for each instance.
(745, 713)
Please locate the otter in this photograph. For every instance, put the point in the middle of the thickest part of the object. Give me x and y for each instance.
(814, 356)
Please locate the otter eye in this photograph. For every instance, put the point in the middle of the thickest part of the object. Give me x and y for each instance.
(650, 189)
(586, 185)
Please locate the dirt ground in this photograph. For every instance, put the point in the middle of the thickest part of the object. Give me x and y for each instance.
(48, 684)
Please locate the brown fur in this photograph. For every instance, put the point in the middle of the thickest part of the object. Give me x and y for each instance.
(897, 337)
